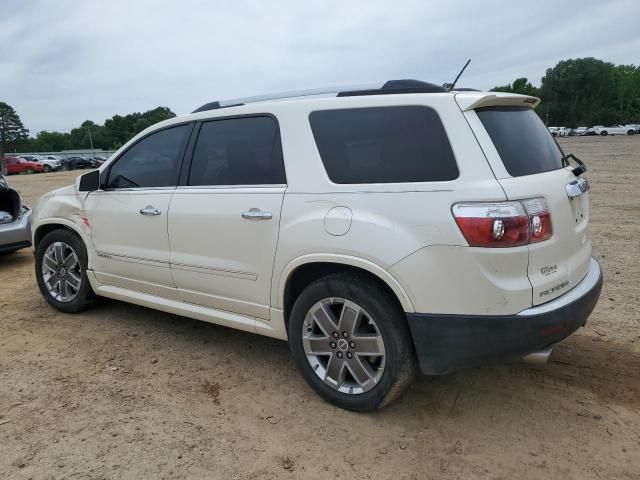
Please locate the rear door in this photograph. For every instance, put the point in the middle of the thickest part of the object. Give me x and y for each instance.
(224, 220)
(528, 163)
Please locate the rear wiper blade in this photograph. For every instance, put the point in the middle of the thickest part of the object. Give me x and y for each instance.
(580, 169)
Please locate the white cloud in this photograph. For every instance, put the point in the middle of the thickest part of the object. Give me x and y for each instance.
(67, 61)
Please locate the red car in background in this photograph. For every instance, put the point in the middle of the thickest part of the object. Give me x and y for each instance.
(20, 165)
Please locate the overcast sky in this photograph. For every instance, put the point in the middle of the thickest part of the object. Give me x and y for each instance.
(63, 62)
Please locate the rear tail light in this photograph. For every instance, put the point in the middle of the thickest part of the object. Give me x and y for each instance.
(503, 224)
(539, 219)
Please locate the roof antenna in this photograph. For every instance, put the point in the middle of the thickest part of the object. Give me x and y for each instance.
(459, 75)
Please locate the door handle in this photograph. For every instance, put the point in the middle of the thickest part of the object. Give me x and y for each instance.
(257, 214)
(149, 210)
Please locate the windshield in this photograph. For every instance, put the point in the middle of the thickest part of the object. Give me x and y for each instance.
(525, 145)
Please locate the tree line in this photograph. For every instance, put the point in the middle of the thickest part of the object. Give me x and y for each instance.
(584, 92)
(111, 135)
(576, 92)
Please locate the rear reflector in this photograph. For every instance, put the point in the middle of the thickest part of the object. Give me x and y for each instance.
(503, 224)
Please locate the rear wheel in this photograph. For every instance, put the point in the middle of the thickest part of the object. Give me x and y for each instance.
(604, 133)
(631, 132)
(28, 171)
(350, 340)
(61, 271)
(47, 169)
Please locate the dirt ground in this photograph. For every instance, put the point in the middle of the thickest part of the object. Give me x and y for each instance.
(121, 391)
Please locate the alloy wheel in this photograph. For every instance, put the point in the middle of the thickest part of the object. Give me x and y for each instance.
(343, 345)
(61, 272)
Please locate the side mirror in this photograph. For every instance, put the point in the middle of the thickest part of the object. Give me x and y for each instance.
(90, 182)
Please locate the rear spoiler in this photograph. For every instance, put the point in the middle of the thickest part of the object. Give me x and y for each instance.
(472, 100)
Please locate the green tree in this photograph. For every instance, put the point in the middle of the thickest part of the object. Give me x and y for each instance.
(585, 92)
(122, 128)
(579, 91)
(12, 130)
(520, 85)
(115, 132)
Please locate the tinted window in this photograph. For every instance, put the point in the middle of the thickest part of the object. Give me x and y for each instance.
(238, 151)
(523, 142)
(152, 162)
(383, 145)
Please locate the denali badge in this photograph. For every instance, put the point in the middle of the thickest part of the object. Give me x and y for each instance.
(548, 270)
(554, 289)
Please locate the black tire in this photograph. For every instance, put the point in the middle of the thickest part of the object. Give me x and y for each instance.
(604, 133)
(29, 171)
(631, 132)
(47, 169)
(85, 294)
(400, 359)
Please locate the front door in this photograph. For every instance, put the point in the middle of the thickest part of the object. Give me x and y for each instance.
(128, 216)
(223, 224)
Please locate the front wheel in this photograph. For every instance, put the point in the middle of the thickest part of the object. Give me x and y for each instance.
(631, 132)
(604, 133)
(46, 169)
(61, 271)
(351, 342)
(29, 171)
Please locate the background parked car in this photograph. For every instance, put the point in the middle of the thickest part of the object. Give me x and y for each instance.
(580, 131)
(20, 165)
(633, 126)
(15, 220)
(49, 165)
(79, 162)
(559, 131)
(613, 130)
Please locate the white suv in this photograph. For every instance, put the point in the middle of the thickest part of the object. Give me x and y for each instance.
(375, 229)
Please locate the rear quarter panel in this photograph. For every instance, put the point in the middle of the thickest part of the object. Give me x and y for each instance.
(389, 224)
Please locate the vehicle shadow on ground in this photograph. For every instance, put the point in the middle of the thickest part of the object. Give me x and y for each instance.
(580, 369)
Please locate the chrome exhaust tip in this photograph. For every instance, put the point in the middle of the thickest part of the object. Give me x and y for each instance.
(538, 358)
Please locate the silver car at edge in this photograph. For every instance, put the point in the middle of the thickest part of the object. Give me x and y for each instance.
(15, 220)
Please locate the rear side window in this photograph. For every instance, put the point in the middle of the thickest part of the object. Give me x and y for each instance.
(238, 151)
(383, 145)
(523, 142)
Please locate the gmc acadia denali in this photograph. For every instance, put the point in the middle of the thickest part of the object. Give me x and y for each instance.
(378, 229)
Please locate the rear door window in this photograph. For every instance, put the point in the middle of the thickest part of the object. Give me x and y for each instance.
(525, 145)
(383, 145)
(238, 151)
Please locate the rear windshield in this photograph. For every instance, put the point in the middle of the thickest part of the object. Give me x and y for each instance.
(383, 145)
(523, 142)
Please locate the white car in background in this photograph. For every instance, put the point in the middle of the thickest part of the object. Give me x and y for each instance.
(580, 131)
(614, 130)
(50, 164)
(633, 126)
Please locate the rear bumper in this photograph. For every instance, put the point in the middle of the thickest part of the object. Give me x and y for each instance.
(448, 342)
(16, 235)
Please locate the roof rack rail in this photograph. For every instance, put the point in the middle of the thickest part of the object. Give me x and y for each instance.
(388, 88)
